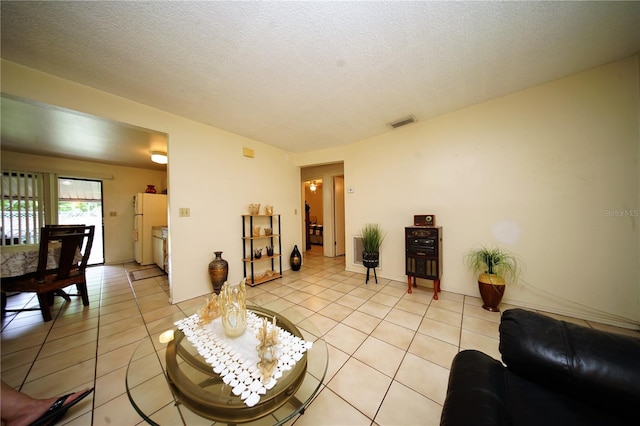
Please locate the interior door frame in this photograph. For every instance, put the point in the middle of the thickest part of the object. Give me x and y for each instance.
(326, 173)
(339, 227)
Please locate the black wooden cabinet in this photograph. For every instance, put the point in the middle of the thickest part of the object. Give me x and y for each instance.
(423, 258)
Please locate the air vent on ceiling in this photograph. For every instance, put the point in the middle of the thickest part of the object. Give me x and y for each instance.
(403, 122)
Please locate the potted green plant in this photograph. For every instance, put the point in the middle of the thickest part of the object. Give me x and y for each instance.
(496, 267)
(372, 237)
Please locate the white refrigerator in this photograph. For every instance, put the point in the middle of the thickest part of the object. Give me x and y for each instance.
(149, 210)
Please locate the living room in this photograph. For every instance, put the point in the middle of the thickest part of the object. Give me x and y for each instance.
(568, 147)
(567, 206)
(550, 171)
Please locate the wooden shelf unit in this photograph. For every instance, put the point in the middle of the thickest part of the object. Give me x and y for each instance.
(248, 244)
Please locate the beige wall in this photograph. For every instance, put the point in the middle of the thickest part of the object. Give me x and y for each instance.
(544, 172)
(541, 172)
(206, 173)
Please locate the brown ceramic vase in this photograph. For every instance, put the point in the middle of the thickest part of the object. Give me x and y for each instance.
(218, 271)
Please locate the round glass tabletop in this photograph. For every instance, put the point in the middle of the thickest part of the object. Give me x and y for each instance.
(167, 380)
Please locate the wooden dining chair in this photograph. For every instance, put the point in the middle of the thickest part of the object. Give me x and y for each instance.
(70, 246)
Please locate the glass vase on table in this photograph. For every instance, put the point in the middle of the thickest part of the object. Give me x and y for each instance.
(233, 308)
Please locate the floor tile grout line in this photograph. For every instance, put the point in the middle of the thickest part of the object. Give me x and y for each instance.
(125, 277)
(406, 351)
(42, 343)
(149, 336)
(468, 310)
(95, 368)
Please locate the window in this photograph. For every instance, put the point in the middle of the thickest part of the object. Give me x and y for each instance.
(22, 207)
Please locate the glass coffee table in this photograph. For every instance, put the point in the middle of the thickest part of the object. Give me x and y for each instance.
(172, 382)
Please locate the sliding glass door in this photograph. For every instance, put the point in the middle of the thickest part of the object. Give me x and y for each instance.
(80, 202)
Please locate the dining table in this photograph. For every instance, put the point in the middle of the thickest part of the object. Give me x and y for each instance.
(22, 259)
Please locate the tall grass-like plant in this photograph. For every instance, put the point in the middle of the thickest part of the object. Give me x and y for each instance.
(495, 261)
(372, 237)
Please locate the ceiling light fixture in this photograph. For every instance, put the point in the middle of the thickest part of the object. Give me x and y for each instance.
(313, 187)
(159, 157)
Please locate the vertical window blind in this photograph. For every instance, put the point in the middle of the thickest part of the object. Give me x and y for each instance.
(23, 207)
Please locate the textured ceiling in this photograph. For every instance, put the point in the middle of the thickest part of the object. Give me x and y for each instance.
(311, 75)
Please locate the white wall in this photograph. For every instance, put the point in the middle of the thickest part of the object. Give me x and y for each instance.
(206, 173)
(119, 185)
(539, 172)
(545, 171)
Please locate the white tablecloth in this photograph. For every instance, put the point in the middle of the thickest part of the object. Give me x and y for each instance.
(23, 258)
(235, 360)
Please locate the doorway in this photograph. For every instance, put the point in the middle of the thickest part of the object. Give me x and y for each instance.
(314, 211)
(80, 202)
(324, 202)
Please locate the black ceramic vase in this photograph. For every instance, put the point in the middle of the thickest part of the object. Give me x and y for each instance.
(296, 259)
(218, 270)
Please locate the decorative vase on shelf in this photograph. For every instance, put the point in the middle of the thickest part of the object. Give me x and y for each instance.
(151, 189)
(218, 271)
(233, 308)
(254, 209)
(296, 259)
(269, 250)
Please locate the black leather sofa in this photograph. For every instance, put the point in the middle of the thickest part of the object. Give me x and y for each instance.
(554, 373)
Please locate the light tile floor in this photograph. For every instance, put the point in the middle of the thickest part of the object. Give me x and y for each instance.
(389, 351)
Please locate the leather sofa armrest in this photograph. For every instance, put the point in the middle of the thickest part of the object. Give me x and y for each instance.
(590, 364)
(476, 394)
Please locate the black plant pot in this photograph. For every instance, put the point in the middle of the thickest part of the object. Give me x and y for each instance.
(370, 260)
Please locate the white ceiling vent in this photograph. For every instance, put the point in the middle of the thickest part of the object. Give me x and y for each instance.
(403, 121)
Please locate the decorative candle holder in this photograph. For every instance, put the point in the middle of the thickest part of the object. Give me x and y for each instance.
(210, 311)
(268, 337)
(254, 208)
(256, 231)
(233, 308)
(268, 210)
